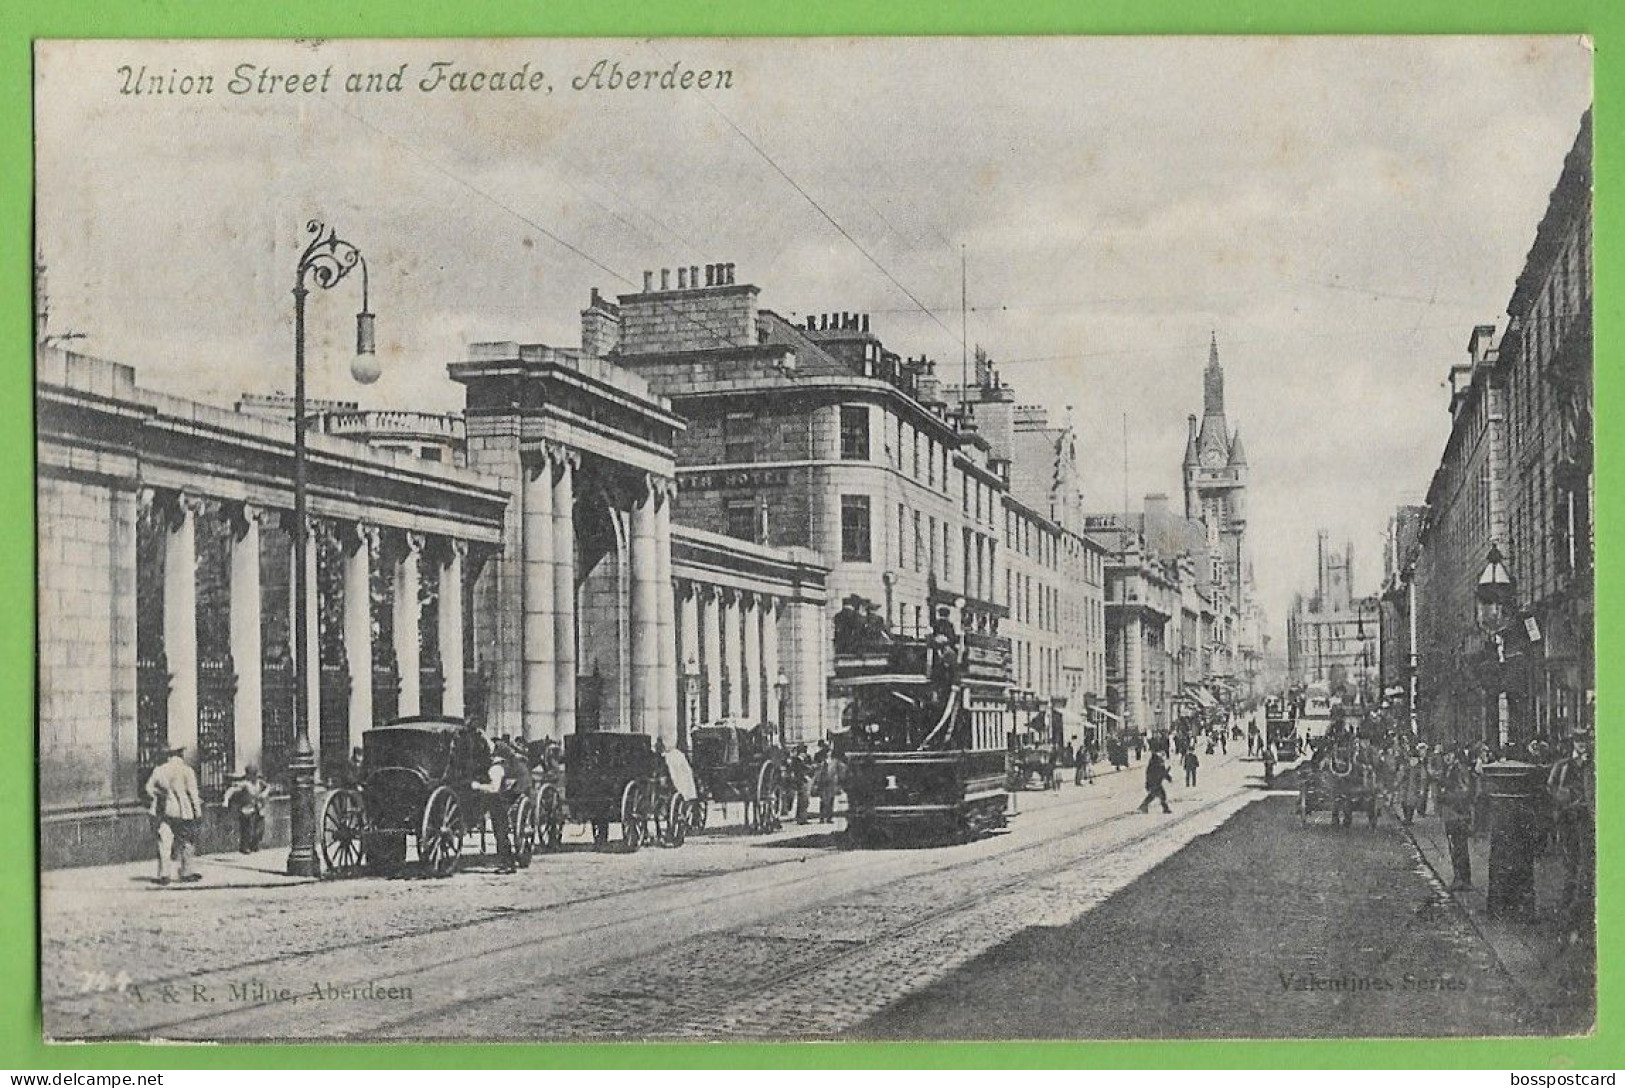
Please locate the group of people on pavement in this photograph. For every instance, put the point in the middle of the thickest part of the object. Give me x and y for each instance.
(823, 774)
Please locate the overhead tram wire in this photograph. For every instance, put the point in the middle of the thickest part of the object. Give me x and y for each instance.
(820, 209)
(717, 335)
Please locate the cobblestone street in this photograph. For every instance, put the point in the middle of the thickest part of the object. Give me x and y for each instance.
(1136, 925)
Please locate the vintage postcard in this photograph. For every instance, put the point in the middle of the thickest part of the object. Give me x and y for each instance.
(895, 539)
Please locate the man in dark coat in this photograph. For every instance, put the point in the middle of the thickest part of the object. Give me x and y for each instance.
(1156, 779)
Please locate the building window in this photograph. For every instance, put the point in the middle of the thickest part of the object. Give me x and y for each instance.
(739, 437)
(742, 521)
(919, 543)
(854, 432)
(931, 462)
(902, 536)
(855, 528)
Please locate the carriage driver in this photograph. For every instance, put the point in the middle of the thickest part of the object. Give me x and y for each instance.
(494, 791)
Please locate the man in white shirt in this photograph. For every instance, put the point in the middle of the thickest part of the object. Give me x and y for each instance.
(496, 802)
(177, 811)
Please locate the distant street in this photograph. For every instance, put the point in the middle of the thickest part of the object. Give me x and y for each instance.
(792, 936)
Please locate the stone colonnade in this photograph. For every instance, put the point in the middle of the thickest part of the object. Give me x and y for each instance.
(404, 552)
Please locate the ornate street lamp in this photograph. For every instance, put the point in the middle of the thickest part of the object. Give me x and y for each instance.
(326, 261)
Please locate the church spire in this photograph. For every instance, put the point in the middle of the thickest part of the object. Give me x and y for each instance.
(1213, 380)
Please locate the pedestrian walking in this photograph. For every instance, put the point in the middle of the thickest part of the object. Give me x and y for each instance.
(176, 810)
(1085, 766)
(1157, 776)
(1224, 748)
(247, 798)
(1408, 784)
(1191, 762)
(1270, 758)
(1456, 811)
(828, 781)
(1139, 746)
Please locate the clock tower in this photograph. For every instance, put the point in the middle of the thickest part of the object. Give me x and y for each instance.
(1215, 474)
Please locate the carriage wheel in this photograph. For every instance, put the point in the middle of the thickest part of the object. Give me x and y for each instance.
(698, 813)
(344, 829)
(767, 798)
(633, 831)
(522, 828)
(549, 817)
(440, 839)
(677, 818)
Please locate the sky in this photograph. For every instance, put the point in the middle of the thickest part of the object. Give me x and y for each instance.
(1338, 212)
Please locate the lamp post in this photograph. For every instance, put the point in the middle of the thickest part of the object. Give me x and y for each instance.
(325, 261)
(1493, 599)
(691, 698)
(781, 688)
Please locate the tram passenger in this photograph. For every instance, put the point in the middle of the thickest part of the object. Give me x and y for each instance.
(874, 633)
(848, 624)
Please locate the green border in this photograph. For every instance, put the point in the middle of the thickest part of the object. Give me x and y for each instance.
(19, 1024)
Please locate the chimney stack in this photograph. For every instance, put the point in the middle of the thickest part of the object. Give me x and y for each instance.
(693, 275)
(682, 279)
(729, 276)
(648, 281)
(665, 279)
(865, 322)
(710, 275)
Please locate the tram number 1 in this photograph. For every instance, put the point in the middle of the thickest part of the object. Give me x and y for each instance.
(891, 782)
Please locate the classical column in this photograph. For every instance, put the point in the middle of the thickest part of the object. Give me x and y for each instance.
(247, 710)
(708, 604)
(408, 619)
(450, 627)
(666, 616)
(770, 663)
(180, 622)
(541, 667)
(564, 591)
(358, 541)
(645, 613)
(752, 696)
(733, 655)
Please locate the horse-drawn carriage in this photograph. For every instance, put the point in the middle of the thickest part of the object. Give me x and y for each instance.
(1341, 778)
(622, 778)
(735, 764)
(417, 782)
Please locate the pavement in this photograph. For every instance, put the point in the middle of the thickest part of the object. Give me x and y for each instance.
(790, 935)
(1554, 975)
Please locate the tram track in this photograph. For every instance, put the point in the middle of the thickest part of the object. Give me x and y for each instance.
(357, 957)
(832, 960)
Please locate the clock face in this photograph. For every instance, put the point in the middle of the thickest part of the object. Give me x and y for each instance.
(1211, 458)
